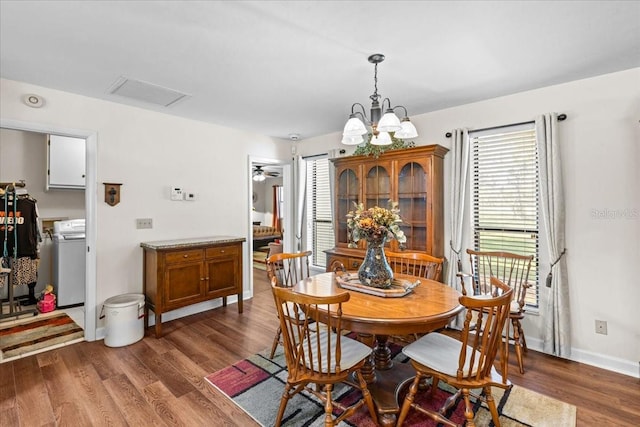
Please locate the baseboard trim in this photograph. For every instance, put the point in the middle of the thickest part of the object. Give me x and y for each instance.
(615, 364)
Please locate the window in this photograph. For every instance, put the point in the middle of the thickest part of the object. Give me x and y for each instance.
(319, 216)
(506, 194)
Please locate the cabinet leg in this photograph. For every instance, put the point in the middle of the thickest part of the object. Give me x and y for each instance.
(224, 301)
(158, 325)
(240, 303)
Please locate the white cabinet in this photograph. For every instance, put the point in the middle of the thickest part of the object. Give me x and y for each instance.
(66, 160)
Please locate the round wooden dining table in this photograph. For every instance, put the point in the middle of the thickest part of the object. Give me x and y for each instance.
(431, 305)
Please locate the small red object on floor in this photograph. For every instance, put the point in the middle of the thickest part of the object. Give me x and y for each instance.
(47, 303)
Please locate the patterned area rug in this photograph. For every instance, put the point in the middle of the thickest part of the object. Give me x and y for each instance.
(260, 260)
(257, 383)
(37, 334)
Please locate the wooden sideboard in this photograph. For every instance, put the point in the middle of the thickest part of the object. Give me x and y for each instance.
(178, 273)
(413, 177)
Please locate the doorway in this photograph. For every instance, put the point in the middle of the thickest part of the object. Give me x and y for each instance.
(90, 202)
(270, 212)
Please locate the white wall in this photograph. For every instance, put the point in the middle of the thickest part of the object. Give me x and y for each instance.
(601, 166)
(149, 152)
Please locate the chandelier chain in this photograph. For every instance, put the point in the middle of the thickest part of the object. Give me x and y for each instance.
(375, 95)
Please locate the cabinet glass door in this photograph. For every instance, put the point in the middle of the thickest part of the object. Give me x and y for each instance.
(377, 190)
(412, 200)
(347, 194)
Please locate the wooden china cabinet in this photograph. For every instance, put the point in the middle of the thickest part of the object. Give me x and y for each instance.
(413, 177)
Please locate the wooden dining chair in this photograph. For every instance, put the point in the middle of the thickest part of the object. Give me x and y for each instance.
(319, 358)
(513, 270)
(287, 269)
(415, 264)
(466, 364)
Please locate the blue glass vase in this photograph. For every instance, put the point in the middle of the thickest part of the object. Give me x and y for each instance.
(375, 270)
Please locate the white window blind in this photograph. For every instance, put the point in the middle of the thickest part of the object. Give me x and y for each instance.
(505, 194)
(319, 216)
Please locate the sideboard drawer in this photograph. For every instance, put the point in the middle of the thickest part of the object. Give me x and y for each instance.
(231, 250)
(182, 256)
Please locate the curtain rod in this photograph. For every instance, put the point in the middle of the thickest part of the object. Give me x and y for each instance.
(561, 117)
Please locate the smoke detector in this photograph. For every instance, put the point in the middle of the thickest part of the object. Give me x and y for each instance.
(294, 136)
(33, 100)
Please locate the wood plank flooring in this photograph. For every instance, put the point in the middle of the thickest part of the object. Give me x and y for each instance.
(161, 381)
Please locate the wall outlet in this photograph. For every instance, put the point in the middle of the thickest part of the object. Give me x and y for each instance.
(601, 327)
(144, 223)
(176, 194)
(190, 197)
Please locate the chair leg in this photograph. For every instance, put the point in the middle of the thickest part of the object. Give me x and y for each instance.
(328, 407)
(468, 409)
(366, 395)
(408, 400)
(434, 386)
(283, 404)
(276, 341)
(492, 406)
(517, 341)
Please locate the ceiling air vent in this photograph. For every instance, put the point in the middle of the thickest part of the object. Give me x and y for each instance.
(146, 92)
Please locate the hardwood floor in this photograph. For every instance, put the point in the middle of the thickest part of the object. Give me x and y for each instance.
(160, 381)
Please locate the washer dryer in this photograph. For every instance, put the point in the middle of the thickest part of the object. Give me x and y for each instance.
(69, 262)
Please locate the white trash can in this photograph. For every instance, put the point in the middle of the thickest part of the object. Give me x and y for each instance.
(124, 319)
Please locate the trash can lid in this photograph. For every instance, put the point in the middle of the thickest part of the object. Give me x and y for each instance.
(124, 300)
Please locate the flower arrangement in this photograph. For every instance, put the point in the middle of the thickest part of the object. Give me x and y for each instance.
(375, 223)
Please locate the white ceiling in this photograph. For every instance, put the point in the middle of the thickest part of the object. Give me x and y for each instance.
(282, 67)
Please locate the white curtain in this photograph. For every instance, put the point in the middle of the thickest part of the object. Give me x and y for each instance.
(459, 176)
(300, 179)
(557, 321)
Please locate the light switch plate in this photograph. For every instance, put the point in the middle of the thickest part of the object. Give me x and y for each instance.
(144, 223)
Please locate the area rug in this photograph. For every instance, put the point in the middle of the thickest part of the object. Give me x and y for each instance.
(42, 332)
(260, 260)
(256, 385)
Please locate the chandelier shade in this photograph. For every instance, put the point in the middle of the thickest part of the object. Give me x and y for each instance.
(408, 130)
(389, 122)
(352, 140)
(377, 124)
(381, 138)
(354, 127)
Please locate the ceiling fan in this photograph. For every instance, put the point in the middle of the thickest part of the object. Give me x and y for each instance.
(259, 174)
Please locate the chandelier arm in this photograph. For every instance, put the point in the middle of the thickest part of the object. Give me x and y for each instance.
(361, 113)
(406, 114)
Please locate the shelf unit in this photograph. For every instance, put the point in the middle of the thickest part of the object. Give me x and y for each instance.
(413, 177)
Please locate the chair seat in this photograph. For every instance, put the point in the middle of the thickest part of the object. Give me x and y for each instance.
(439, 352)
(352, 352)
(514, 307)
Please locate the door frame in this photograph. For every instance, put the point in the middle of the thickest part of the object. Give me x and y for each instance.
(91, 201)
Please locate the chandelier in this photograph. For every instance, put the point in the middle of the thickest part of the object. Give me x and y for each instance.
(380, 124)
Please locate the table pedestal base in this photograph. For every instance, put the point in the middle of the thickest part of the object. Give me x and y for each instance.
(384, 379)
